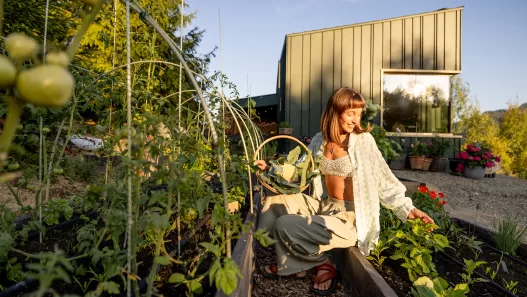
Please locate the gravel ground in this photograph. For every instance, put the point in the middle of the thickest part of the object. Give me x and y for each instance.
(499, 196)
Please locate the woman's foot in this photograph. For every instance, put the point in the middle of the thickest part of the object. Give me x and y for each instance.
(270, 271)
(324, 282)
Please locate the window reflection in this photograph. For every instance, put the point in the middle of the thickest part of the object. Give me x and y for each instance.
(416, 103)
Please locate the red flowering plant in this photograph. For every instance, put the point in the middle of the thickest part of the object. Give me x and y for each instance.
(476, 155)
(432, 203)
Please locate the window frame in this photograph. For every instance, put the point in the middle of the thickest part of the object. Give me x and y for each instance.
(416, 72)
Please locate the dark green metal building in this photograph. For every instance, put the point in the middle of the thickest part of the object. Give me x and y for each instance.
(404, 64)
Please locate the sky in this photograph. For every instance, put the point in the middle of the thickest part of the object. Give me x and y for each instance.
(494, 38)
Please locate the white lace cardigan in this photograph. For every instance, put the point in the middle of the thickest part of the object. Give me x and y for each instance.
(373, 183)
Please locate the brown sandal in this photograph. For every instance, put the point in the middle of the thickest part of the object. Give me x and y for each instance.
(274, 273)
(331, 274)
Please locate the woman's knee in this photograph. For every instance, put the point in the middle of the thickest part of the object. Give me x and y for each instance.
(288, 221)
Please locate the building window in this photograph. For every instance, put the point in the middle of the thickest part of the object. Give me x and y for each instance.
(416, 103)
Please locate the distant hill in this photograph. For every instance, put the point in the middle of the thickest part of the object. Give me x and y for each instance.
(497, 115)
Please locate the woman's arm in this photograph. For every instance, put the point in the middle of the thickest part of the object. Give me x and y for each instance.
(391, 190)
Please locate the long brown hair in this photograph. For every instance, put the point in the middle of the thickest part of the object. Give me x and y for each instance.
(341, 100)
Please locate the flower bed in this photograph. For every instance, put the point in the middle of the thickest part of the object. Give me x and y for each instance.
(448, 260)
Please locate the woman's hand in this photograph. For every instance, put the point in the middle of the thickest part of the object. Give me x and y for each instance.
(418, 214)
(262, 165)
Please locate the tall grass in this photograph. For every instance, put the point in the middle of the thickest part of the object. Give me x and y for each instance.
(508, 234)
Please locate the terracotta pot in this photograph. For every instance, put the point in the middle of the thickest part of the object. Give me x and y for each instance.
(285, 131)
(426, 164)
(474, 173)
(416, 162)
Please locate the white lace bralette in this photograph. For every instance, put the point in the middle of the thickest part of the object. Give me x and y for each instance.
(341, 166)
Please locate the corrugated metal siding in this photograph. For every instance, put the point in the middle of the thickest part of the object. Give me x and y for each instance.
(319, 62)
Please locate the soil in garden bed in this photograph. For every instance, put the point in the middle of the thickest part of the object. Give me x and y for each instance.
(263, 287)
(515, 271)
(397, 277)
(64, 239)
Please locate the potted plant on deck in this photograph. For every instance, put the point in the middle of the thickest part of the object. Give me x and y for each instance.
(417, 155)
(475, 159)
(437, 152)
(284, 128)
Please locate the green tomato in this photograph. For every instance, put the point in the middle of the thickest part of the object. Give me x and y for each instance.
(189, 214)
(7, 72)
(46, 130)
(20, 46)
(58, 170)
(22, 181)
(91, 2)
(46, 85)
(31, 187)
(58, 58)
(13, 166)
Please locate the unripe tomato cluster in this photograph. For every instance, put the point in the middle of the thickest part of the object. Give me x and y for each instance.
(45, 85)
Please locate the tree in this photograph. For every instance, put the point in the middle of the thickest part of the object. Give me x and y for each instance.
(514, 132)
(462, 106)
(98, 52)
(30, 16)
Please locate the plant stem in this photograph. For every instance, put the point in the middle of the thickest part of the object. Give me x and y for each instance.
(1, 15)
(15, 108)
(17, 198)
(39, 194)
(88, 19)
(150, 281)
(24, 253)
(53, 156)
(130, 223)
(68, 134)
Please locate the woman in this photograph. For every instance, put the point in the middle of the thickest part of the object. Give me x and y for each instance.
(345, 210)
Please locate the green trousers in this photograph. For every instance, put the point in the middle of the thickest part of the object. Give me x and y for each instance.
(305, 229)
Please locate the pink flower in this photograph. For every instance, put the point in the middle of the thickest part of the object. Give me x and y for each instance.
(458, 156)
(430, 143)
(489, 164)
(471, 158)
(460, 167)
(476, 149)
(477, 158)
(498, 159)
(470, 146)
(485, 157)
(464, 155)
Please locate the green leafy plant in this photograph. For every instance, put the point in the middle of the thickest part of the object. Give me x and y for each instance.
(418, 149)
(415, 245)
(284, 124)
(511, 286)
(389, 148)
(508, 234)
(491, 272)
(470, 266)
(425, 287)
(289, 175)
(438, 146)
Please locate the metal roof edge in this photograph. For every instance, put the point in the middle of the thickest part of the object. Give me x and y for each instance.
(376, 21)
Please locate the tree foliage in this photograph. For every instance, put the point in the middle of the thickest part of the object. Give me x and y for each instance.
(507, 138)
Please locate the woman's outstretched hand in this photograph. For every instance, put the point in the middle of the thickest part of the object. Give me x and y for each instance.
(262, 165)
(418, 214)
